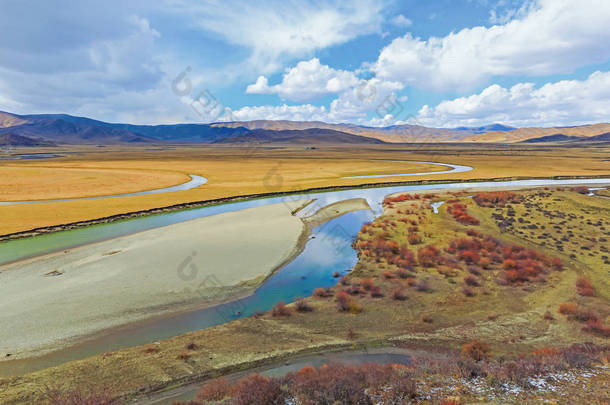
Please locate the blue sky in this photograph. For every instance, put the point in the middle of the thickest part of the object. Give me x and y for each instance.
(441, 63)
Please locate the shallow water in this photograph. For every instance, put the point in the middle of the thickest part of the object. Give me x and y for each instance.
(30, 156)
(328, 250)
(454, 169)
(34, 246)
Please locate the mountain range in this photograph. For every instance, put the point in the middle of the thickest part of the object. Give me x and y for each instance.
(32, 130)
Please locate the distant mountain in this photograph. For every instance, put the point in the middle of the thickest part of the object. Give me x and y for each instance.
(395, 133)
(554, 138)
(522, 134)
(68, 129)
(18, 140)
(300, 136)
(605, 137)
(486, 128)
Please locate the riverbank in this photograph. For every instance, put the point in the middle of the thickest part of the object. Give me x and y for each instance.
(50, 301)
(248, 197)
(137, 277)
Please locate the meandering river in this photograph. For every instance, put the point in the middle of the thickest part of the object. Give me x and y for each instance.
(195, 181)
(328, 250)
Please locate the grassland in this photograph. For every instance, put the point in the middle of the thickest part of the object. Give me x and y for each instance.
(513, 315)
(232, 171)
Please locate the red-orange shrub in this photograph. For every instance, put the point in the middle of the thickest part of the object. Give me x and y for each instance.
(595, 326)
(258, 389)
(584, 287)
(214, 390)
(367, 284)
(567, 308)
(280, 309)
(496, 198)
(475, 350)
(428, 256)
(345, 303)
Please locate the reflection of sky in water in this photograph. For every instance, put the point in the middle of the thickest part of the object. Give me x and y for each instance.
(28, 247)
(328, 252)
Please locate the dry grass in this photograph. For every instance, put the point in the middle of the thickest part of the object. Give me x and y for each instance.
(90, 171)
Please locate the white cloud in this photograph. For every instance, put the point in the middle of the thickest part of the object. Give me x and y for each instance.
(308, 80)
(566, 102)
(401, 21)
(303, 112)
(369, 102)
(92, 72)
(277, 29)
(555, 36)
(368, 96)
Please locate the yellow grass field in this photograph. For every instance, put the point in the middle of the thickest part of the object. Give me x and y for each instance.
(90, 171)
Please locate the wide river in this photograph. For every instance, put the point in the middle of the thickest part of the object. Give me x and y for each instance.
(328, 250)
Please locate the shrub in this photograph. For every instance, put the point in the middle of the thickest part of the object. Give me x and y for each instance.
(399, 295)
(423, 286)
(342, 384)
(471, 281)
(184, 355)
(557, 263)
(322, 292)
(388, 275)
(580, 189)
(192, 346)
(496, 198)
(353, 289)
(567, 308)
(414, 238)
(301, 305)
(402, 274)
(595, 326)
(258, 389)
(428, 256)
(280, 309)
(584, 287)
(467, 291)
(549, 316)
(345, 303)
(214, 390)
(376, 292)
(460, 214)
(367, 284)
(584, 315)
(469, 257)
(475, 350)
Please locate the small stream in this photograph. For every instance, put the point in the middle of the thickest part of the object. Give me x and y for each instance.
(379, 356)
(194, 182)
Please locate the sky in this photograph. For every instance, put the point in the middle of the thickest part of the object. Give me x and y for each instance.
(438, 63)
